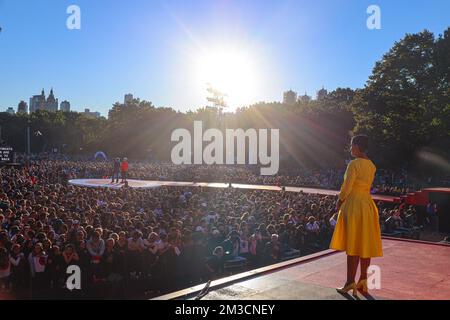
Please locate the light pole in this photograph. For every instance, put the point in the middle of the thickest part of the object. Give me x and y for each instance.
(218, 100)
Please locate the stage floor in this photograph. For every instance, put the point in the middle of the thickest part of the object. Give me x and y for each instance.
(145, 184)
(410, 270)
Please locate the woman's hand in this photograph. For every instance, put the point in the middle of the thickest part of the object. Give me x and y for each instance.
(334, 216)
(338, 204)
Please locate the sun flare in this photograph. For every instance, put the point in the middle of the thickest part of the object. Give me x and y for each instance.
(232, 72)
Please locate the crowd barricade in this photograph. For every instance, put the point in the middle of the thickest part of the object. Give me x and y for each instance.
(235, 264)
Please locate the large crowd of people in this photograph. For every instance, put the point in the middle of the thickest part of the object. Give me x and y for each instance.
(137, 243)
(386, 182)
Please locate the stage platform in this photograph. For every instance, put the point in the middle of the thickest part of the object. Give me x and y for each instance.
(410, 270)
(146, 184)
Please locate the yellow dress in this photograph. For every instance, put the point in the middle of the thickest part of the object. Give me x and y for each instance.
(357, 229)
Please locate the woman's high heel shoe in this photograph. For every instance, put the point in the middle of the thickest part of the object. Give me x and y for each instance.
(347, 288)
(362, 286)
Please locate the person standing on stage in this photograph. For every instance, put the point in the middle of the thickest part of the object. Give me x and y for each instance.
(124, 169)
(357, 229)
(116, 168)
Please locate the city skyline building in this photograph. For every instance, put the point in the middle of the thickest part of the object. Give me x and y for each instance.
(289, 97)
(65, 106)
(39, 102)
(128, 98)
(22, 107)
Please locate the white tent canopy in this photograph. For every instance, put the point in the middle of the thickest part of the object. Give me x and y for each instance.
(100, 154)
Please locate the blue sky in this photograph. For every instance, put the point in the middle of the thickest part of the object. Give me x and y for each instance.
(146, 47)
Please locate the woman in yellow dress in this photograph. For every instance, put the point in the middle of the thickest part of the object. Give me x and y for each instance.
(357, 230)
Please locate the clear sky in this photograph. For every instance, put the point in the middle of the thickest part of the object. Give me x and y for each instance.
(156, 49)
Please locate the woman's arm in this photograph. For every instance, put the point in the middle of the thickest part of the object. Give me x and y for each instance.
(347, 185)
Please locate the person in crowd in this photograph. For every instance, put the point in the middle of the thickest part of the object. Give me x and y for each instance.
(432, 217)
(136, 246)
(55, 267)
(5, 270)
(19, 271)
(38, 264)
(215, 263)
(312, 229)
(152, 247)
(70, 256)
(115, 170)
(124, 170)
(231, 245)
(273, 249)
(96, 247)
(113, 266)
(244, 243)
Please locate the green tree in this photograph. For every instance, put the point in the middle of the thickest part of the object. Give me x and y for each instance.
(401, 106)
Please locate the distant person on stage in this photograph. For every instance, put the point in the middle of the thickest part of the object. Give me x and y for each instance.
(124, 170)
(357, 230)
(116, 168)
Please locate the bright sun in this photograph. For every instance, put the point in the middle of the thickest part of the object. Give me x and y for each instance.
(232, 72)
